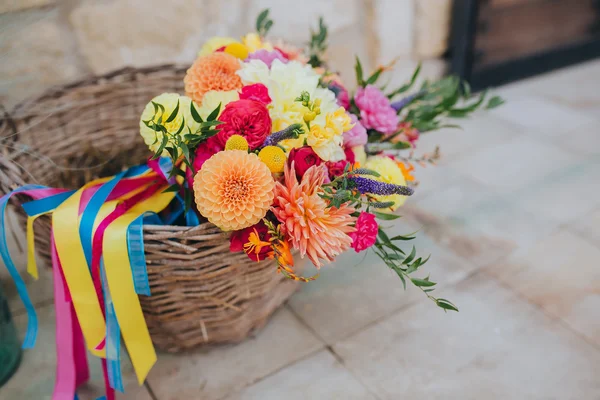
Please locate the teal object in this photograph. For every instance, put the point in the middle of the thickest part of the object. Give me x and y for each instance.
(10, 347)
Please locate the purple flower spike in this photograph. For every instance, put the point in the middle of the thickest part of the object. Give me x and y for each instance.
(365, 185)
(400, 104)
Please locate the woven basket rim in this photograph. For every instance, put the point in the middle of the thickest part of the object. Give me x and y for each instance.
(54, 90)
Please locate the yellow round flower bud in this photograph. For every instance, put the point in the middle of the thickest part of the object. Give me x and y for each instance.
(309, 116)
(236, 142)
(273, 157)
(237, 50)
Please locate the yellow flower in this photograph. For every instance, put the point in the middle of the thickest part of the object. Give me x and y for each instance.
(359, 154)
(236, 142)
(169, 101)
(254, 42)
(211, 100)
(326, 142)
(274, 157)
(339, 121)
(389, 172)
(237, 50)
(215, 43)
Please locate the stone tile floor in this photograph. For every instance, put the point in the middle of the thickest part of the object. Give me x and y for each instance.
(512, 218)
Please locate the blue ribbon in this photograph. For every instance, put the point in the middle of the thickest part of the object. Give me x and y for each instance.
(113, 338)
(46, 204)
(32, 321)
(137, 258)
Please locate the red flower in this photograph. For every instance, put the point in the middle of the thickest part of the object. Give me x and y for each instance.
(350, 156)
(248, 118)
(336, 168)
(205, 150)
(366, 232)
(257, 91)
(240, 238)
(303, 158)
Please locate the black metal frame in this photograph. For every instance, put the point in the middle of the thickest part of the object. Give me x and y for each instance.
(462, 53)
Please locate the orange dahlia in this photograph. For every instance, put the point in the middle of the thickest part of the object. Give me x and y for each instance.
(234, 189)
(316, 230)
(215, 71)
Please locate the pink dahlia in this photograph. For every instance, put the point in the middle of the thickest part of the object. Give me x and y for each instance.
(257, 91)
(375, 110)
(366, 232)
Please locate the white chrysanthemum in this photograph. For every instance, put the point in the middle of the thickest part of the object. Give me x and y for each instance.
(285, 83)
(169, 101)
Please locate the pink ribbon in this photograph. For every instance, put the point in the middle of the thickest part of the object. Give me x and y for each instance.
(71, 360)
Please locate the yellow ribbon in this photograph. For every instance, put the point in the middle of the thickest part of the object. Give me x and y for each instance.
(31, 263)
(120, 282)
(65, 223)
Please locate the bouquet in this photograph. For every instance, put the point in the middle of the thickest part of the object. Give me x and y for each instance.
(269, 145)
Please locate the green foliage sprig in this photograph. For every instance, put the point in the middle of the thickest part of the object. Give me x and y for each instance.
(181, 149)
(339, 192)
(263, 23)
(317, 45)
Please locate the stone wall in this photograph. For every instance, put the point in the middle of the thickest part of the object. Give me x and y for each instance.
(48, 42)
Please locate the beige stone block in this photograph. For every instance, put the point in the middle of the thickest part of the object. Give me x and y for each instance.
(7, 6)
(34, 54)
(141, 32)
(394, 28)
(432, 27)
(497, 347)
(293, 19)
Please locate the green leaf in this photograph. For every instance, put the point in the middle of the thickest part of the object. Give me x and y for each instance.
(261, 18)
(410, 236)
(195, 114)
(373, 78)
(173, 188)
(422, 282)
(446, 304)
(494, 102)
(187, 200)
(401, 145)
(163, 143)
(385, 216)
(466, 88)
(411, 256)
(174, 113)
(213, 115)
(185, 150)
(359, 72)
(383, 236)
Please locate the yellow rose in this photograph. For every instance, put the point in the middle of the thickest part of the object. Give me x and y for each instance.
(169, 101)
(215, 43)
(339, 121)
(326, 143)
(389, 172)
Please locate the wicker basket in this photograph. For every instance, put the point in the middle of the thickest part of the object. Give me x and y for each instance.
(201, 293)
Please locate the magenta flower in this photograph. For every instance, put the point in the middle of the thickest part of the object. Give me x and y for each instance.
(357, 136)
(267, 56)
(375, 110)
(365, 235)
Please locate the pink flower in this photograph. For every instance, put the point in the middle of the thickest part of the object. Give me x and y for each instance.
(357, 136)
(341, 94)
(257, 91)
(267, 56)
(365, 235)
(249, 118)
(205, 150)
(375, 110)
